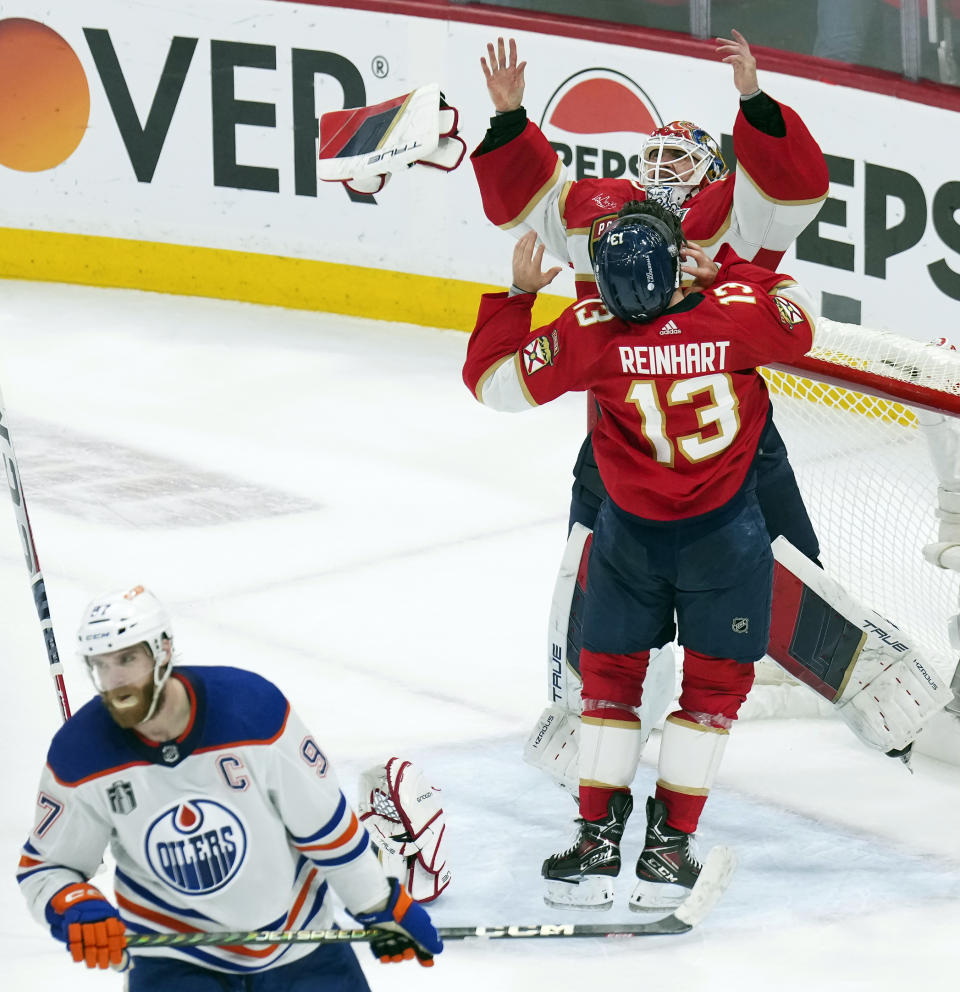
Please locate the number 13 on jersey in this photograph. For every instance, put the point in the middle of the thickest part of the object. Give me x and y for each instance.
(720, 412)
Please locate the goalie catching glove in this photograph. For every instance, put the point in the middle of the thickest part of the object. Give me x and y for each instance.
(80, 916)
(407, 930)
(363, 146)
(402, 812)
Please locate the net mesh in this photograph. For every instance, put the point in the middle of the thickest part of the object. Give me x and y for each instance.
(864, 468)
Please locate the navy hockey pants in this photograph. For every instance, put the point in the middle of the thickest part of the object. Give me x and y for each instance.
(330, 968)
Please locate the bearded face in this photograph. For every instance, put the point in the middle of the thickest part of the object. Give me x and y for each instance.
(129, 705)
(125, 680)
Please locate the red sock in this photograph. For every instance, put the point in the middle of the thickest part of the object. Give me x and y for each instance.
(683, 811)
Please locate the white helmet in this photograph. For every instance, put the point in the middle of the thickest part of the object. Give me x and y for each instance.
(122, 619)
(693, 152)
(125, 618)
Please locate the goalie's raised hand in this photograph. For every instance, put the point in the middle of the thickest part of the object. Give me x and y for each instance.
(407, 930)
(504, 76)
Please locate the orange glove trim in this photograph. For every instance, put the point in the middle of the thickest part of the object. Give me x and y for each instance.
(404, 901)
(73, 894)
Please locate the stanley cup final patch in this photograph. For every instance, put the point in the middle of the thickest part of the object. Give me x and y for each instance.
(540, 352)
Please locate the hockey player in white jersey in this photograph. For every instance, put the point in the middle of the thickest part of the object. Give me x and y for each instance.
(222, 813)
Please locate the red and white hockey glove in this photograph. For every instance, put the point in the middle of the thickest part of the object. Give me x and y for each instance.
(88, 924)
(363, 146)
(402, 812)
(407, 930)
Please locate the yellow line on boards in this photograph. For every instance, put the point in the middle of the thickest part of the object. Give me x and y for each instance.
(277, 280)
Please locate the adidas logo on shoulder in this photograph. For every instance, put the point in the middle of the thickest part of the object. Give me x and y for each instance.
(670, 328)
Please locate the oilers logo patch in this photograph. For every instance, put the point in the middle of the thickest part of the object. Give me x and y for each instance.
(196, 847)
(540, 352)
(790, 313)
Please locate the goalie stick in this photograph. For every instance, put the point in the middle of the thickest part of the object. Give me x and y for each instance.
(33, 563)
(712, 883)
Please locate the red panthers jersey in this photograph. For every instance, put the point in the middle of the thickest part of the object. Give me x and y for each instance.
(683, 404)
(758, 210)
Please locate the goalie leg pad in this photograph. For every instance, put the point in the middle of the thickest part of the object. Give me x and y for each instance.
(566, 621)
(552, 746)
(881, 685)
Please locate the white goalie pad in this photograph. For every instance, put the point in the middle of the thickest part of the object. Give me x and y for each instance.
(402, 812)
(880, 684)
(553, 747)
(563, 680)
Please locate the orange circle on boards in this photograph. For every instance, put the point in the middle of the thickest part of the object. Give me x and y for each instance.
(44, 97)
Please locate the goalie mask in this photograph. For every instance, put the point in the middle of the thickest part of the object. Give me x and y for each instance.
(637, 265)
(678, 160)
(402, 812)
(121, 620)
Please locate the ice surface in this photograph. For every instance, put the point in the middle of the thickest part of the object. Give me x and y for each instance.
(320, 499)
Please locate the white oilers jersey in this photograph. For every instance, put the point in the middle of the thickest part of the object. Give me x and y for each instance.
(239, 824)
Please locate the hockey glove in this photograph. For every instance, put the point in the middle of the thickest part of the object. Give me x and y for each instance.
(407, 930)
(402, 811)
(80, 916)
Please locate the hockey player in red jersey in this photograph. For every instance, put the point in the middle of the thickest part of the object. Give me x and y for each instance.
(683, 409)
(222, 813)
(759, 209)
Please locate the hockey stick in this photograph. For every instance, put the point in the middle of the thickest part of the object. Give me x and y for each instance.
(711, 884)
(33, 563)
(670, 925)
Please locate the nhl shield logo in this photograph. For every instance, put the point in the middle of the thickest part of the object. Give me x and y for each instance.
(121, 798)
(740, 625)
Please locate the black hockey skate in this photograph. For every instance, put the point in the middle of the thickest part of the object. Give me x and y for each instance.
(581, 877)
(667, 868)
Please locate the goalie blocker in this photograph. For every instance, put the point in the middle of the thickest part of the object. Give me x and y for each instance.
(863, 664)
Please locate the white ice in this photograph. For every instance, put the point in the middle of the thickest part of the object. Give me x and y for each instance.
(320, 499)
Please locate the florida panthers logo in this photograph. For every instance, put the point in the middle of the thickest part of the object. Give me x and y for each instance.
(196, 847)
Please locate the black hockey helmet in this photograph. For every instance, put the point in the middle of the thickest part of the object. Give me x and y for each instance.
(636, 262)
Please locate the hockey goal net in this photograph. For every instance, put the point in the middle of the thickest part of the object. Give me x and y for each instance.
(871, 421)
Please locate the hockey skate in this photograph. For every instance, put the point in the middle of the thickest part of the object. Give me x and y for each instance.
(667, 868)
(581, 877)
